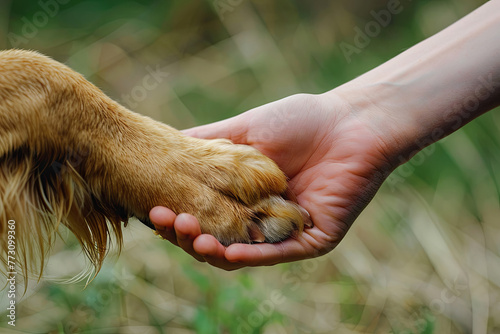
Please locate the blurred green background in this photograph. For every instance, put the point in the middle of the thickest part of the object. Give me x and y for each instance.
(424, 256)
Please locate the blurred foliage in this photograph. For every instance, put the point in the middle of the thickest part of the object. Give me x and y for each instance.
(422, 258)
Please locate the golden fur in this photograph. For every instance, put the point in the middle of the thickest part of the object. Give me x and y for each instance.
(71, 155)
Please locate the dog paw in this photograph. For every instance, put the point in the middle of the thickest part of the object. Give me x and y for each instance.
(238, 194)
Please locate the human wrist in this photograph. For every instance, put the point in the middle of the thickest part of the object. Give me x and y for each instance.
(382, 109)
(408, 116)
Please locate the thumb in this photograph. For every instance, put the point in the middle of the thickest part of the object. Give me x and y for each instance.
(234, 129)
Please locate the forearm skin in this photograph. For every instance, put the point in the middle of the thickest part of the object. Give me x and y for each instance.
(435, 87)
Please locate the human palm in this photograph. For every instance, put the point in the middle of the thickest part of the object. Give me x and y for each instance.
(334, 160)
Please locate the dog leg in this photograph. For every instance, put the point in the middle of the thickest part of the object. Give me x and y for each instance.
(130, 163)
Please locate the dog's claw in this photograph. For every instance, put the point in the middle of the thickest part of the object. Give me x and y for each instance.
(256, 234)
(307, 217)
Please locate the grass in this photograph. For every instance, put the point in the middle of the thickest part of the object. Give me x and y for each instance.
(423, 256)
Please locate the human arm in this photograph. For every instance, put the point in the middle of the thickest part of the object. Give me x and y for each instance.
(435, 87)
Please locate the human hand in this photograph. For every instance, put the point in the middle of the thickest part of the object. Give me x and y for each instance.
(338, 147)
(335, 162)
